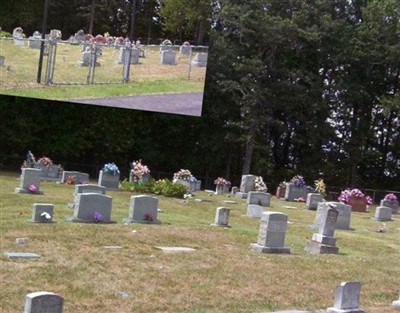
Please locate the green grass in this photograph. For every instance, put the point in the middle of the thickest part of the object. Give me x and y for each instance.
(223, 275)
(19, 74)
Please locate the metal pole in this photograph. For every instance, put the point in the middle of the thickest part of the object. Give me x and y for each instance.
(44, 30)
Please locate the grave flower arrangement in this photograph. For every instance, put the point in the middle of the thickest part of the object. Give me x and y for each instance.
(390, 197)
(348, 194)
(111, 168)
(98, 217)
(32, 188)
(184, 174)
(320, 186)
(260, 185)
(149, 217)
(222, 181)
(298, 181)
(70, 180)
(45, 161)
(138, 170)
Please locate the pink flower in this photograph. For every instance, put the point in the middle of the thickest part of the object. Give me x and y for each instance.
(391, 197)
(32, 188)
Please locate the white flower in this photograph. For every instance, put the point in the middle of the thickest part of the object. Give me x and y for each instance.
(46, 215)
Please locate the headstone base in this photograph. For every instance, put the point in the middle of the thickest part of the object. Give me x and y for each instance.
(325, 240)
(21, 190)
(241, 195)
(314, 247)
(262, 249)
(43, 221)
(129, 220)
(73, 219)
(221, 225)
(335, 310)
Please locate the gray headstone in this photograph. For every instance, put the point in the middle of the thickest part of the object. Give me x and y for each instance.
(259, 198)
(42, 213)
(168, 57)
(143, 209)
(383, 213)
(108, 180)
(92, 205)
(222, 217)
(254, 210)
(293, 192)
(234, 190)
(312, 200)
(43, 302)
(347, 298)
(247, 183)
(328, 222)
(271, 234)
(185, 50)
(391, 204)
(29, 177)
(200, 59)
(81, 178)
(2, 60)
(124, 53)
(89, 188)
(344, 214)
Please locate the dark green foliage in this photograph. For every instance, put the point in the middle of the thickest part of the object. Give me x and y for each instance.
(162, 187)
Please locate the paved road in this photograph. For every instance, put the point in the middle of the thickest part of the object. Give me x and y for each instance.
(182, 103)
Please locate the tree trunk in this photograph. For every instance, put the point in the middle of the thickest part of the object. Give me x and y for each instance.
(250, 141)
(91, 21)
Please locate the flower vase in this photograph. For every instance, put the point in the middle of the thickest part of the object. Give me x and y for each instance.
(358, 204)
(108, 180)
(280, 192)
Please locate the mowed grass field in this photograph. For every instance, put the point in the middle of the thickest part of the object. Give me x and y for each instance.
(18, 75)
(223, 275)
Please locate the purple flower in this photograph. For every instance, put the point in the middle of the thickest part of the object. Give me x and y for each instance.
(32, 188)
(98, 217)
(298, 181)
(369, 200)
(148, 216)
(391, 197)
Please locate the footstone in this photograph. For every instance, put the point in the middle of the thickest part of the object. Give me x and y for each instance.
(271, 234)
(383, 213)
(202, 200)
(21, 255)
(347, 298)
(230, 202)
(43, 302)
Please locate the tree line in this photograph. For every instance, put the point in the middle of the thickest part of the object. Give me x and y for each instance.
(293, 87)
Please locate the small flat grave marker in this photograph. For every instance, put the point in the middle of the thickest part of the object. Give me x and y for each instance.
(176, 249)
(21, 255)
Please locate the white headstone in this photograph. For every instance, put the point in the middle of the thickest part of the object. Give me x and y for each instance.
(383, 213)
(222, 217)
(168, 57)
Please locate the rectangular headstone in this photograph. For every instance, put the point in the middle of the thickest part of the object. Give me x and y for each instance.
(168, 57)
(42, 213)
(328, 222)
(259, 198)
(143, 209)
(344, 214)
(49, 172)
(30, 181)
(383, 213)
(200, 59)
(108, 180)
(222, 217)
(254, 210)
(271, 234)
(124, 53)
(347, 298)
(247, 183)
(43, 302)
(80, 178)
(89, 188)
(293, 192)
(92, 208)
(391, 204)
(312, 200)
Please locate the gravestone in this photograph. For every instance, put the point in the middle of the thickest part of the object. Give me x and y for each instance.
(49, 172)
(293, 192)
(200, 59)
(323, 242)
(143, 209)
(124, 53)
(86, 188)
(312, 200)
(234, 190)
(254, 210)
(347, 298)
(21, 255)
(35, 40)
(185, 50)
(168, 57)
(247, 183)
(396, 304)
(391, 204)
(344, 216)
(222, 217)
(259, 198)
(108, 180)
(271, 234)
(43, 302)
(30, 181)
(2, 60)
(221, 188)
(80, 178)
(92, 208)
(383, 213)
(42, 213)
(87, 56)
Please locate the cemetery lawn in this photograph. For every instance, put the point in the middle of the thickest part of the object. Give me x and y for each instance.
(222, 275)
